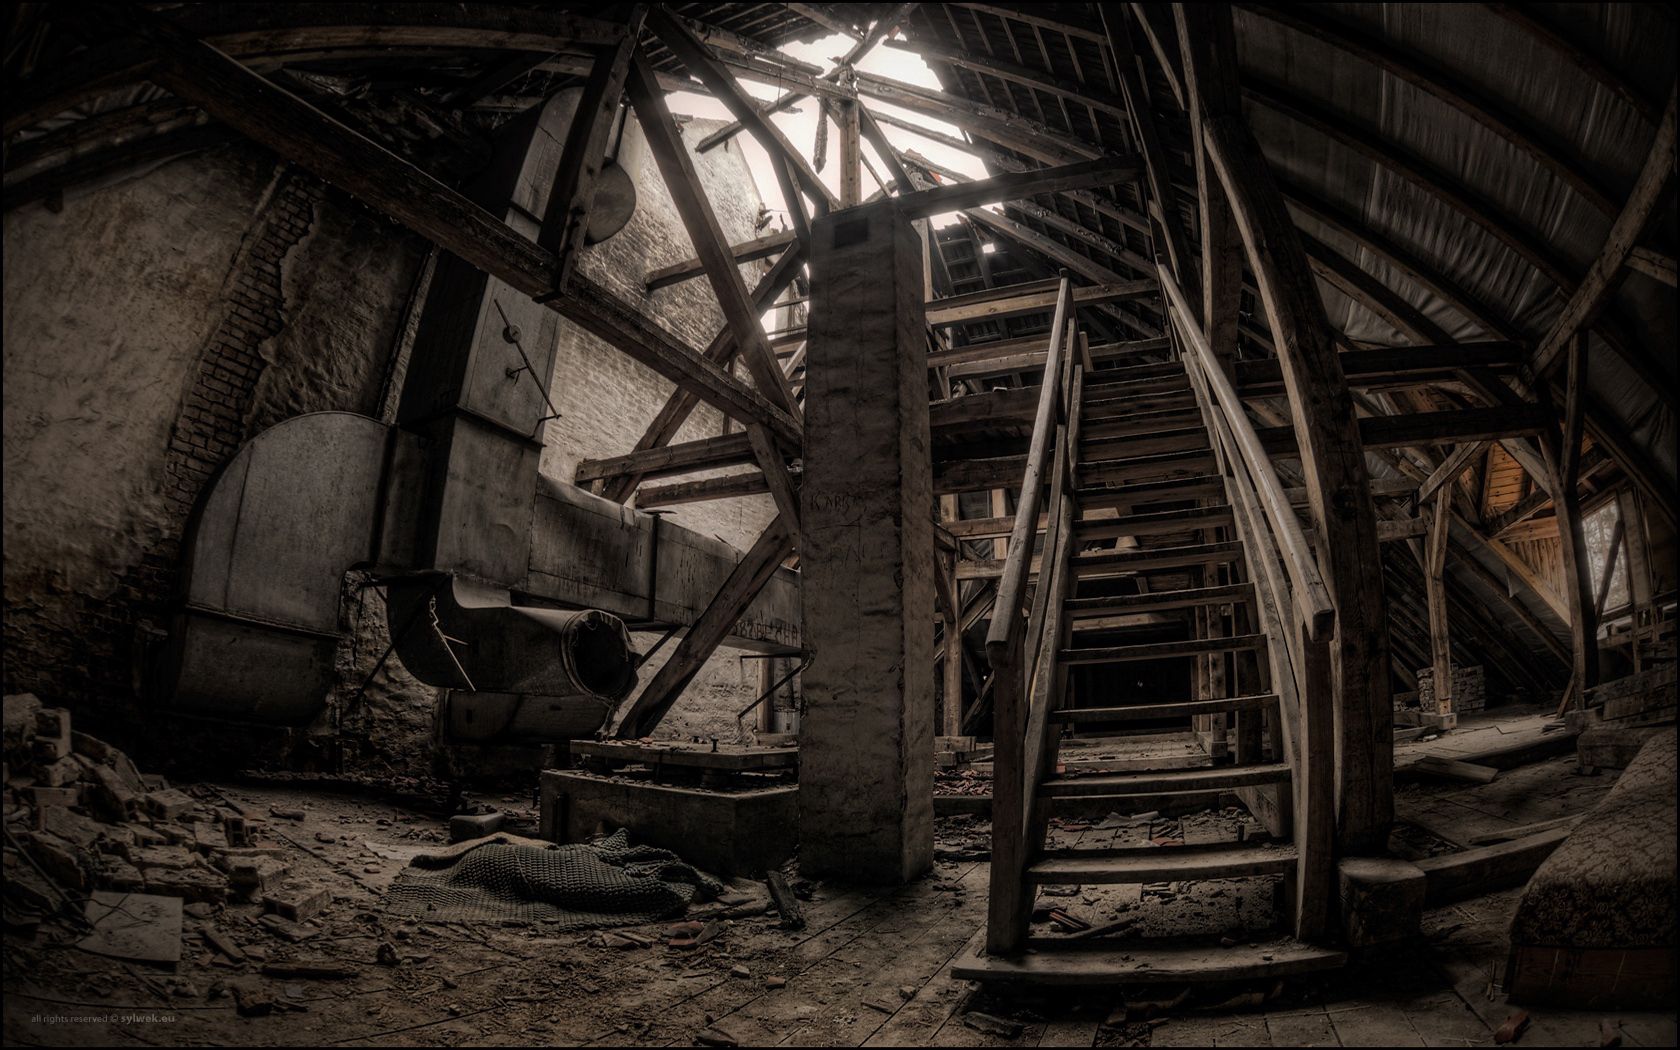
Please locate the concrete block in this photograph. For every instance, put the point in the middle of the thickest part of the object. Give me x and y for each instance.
(724, 832)
(1382, 900)
(464, 826)
(297, 901)
(19, 715)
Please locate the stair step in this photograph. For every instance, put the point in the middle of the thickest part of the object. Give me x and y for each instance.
(1213, 779)
(1141, 370)
(1159, 864)
(1155, 523)
(1110, 563)
(1093, 963)
(1184, 463)
(1142, 423)
(1142, 493)
(1158, 601)
(1161, 439)
(1169, 709)
(1130, 406)
(1112, 654)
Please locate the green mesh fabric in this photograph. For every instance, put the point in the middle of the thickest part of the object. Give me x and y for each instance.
(579, 886)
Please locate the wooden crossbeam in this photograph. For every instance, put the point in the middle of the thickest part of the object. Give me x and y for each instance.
(1007, 301)
(1451, 468)
(1079, 175)
(706, 68)
(1595, 290)
(708, 631)
(706, 234)
(301, 133)
(721, 351)
(566, 219)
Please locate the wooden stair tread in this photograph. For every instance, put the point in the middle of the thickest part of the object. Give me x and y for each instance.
(1169, 780)
(1111, 654)
(1168, 709)
(1162, 864)
(1169, 490)
(1093, 963)
(1157, 601)
(1154, 523)
(1157, 557)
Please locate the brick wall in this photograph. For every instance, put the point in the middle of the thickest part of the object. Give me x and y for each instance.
(155, 325)
(152, 327)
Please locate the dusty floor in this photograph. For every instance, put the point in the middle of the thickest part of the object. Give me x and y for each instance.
(870, 968)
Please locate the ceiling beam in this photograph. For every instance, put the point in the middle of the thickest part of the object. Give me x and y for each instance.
(299, 132)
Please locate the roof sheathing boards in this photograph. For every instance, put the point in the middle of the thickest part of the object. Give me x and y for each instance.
(1562, 105)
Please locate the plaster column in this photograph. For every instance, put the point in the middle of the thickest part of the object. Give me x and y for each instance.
(866, 556)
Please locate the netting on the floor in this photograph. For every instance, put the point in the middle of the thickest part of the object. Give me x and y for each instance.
(579, 886)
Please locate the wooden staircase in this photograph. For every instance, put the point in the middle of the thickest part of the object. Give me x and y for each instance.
(1166, 539)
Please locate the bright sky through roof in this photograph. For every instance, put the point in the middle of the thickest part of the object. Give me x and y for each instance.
(800, 126)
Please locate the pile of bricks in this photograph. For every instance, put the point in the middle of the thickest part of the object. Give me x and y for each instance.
(81, 817)
(1469, 692)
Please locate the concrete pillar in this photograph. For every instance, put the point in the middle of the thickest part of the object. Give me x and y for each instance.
(866, 556)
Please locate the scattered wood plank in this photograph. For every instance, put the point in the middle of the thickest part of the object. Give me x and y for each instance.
(1452, 769)
(793, 916)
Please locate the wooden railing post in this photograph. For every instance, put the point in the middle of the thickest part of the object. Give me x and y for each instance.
(1011, 645)
(1315, 791)
(1006, 908)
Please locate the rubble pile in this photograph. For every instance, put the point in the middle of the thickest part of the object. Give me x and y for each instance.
(80, 817)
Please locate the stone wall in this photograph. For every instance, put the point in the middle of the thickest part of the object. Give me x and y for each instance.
(1469, 691)
(155, 324)
(151, 327)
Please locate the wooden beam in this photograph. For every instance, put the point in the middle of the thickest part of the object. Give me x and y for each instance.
(1101, 171)
(1595, 290)
(1222, 248)
(721, 351)
(996, 303)
(765, 247)
(706, 234)
(745, 581)
(705, 67)
(1035, 79)
(816, 85)
(1162, 201)
(1435, 580)
(252, 30)
(1332, 459)
(566, 219)
(851, 153)
(292, 128)
(1563, 454)
(1451, 468)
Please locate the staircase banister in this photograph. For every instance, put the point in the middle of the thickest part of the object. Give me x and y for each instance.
(1016, 567)
(1311, 596)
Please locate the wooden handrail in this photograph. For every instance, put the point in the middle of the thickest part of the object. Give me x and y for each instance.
(1014, 580)
(1312, 598)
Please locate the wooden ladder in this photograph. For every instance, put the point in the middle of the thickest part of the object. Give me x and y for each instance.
(1162, 515)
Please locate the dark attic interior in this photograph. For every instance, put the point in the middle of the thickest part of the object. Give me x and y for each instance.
(840, 524)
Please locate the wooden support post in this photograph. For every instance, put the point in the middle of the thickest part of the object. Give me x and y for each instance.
(851, 153)
(1315, 801)
(749, 576)
(1435, 581)
(1328, 439)
(952, 685)
(1563, 453)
